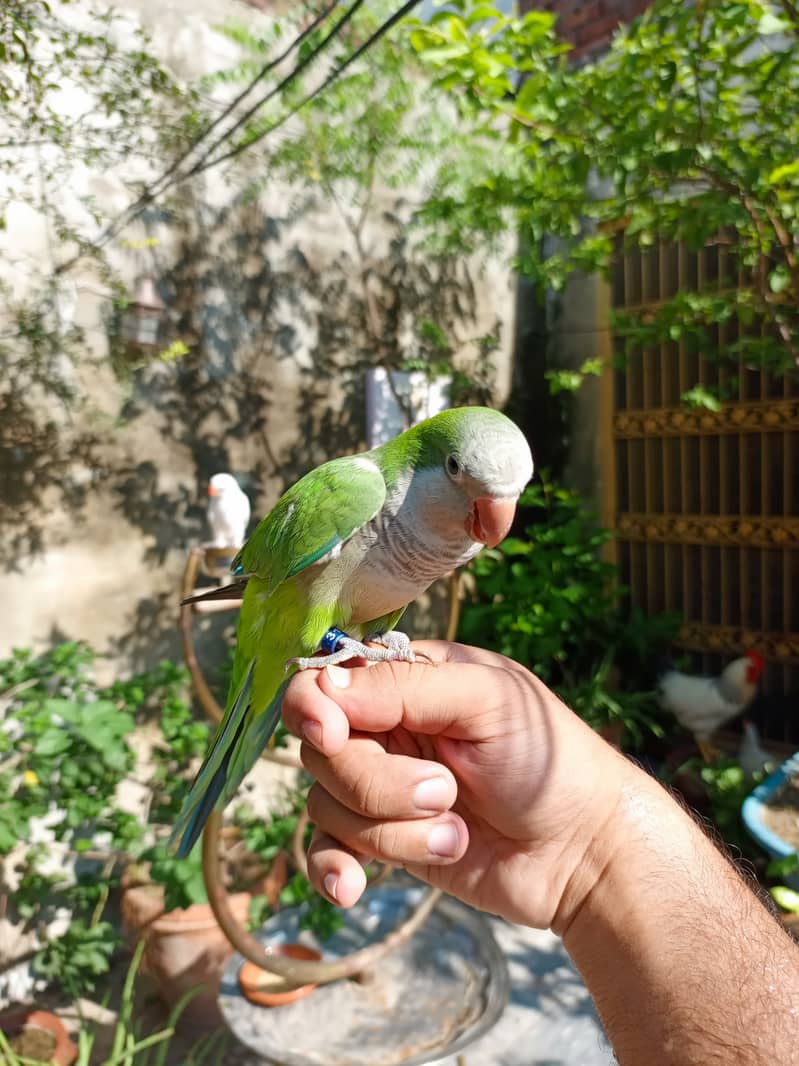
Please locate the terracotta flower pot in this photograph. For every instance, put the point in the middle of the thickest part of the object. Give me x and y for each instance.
(183, 948)
(254, 981)
(40, 1035)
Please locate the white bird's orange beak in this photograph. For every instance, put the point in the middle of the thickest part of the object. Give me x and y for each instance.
(489, 520)
(212, 491)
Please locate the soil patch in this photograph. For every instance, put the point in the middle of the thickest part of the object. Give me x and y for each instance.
(781, 811)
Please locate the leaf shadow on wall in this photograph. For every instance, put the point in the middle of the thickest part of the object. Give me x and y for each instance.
(273, 383)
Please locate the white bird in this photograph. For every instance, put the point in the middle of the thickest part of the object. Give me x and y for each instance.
(753, 758)
(703, 704)
(228, 512)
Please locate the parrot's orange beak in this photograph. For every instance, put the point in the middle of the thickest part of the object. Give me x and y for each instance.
(489, 520)
(212, 491)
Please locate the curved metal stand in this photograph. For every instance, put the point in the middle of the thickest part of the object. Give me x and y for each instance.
(294, 972)
(297, 972)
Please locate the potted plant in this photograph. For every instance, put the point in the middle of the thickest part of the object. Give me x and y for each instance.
(183, 947)
(66, 843)
(36, 1035)
(63, 756)
(165, 906)
(38, 1038)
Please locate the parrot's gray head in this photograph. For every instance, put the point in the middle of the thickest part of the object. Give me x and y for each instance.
(491, 457)
(486, 462)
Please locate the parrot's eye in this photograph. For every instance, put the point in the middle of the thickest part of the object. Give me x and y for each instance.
(453, 466)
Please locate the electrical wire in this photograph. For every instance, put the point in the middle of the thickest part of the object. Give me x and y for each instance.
(317, 21)
(201, 164)
(384, 28)
(172, 176)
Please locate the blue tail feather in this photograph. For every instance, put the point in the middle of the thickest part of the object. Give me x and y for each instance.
(255, 739)
(203, 796)
(240, 740)
(211, 794)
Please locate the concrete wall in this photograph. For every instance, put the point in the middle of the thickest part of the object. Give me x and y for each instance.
(105, 502)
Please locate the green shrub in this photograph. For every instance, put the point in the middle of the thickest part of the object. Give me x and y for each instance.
(64, 751)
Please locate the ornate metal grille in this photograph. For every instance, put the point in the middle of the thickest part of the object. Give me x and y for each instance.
(706, 503)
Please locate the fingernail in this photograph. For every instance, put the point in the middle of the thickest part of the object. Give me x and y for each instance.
(312, 732)
(331, 880)
(442, 840)
(432, 795)
(339, 677)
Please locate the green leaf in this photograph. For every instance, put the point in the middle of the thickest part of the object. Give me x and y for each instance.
(786, 171)
(786, 898)
(593, 366)
(771, 24)
(564, 380)
(53, 742)
(699, 396)
(779, 279)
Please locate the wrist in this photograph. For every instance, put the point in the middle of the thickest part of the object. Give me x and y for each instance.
(653, 872)
(602, 845)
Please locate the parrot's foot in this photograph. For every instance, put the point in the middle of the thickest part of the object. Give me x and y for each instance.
(399, 644)
(395, 647)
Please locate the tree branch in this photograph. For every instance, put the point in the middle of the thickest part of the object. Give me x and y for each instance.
(792, 11)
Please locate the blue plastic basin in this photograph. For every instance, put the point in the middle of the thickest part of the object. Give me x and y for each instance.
(752, 814)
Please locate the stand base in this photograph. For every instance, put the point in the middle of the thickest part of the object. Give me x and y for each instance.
(426, 1000)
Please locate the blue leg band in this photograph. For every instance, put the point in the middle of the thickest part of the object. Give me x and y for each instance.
(329, 642)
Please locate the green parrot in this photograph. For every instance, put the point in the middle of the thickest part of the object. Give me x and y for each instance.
(348, 547)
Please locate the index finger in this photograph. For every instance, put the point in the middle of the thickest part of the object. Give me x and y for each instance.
(441, 696)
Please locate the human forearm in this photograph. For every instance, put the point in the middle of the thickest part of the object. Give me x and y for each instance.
(547, 826)
(684, 963)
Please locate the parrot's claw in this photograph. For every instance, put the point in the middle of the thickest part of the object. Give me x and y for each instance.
(399, 644)
(395, 647)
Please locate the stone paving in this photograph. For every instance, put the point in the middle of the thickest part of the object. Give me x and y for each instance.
(550, 1019)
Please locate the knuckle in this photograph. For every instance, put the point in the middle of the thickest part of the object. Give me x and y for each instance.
(404, 681)
(400, 674)
(315, 804)
(368, 795)
(319, 849)
(385, 840)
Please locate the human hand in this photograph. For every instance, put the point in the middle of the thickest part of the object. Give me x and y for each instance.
(466, 770)
(548, 826)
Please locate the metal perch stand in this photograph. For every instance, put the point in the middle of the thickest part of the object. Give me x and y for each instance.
(294, 972)
(297, 972)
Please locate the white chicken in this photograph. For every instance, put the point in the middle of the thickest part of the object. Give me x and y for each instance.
(228, 512)
(703, 704)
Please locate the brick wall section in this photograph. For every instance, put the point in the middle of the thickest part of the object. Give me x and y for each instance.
(588, 24)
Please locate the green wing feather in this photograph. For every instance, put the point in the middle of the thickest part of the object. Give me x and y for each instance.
(278, 620)
(322, 510)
